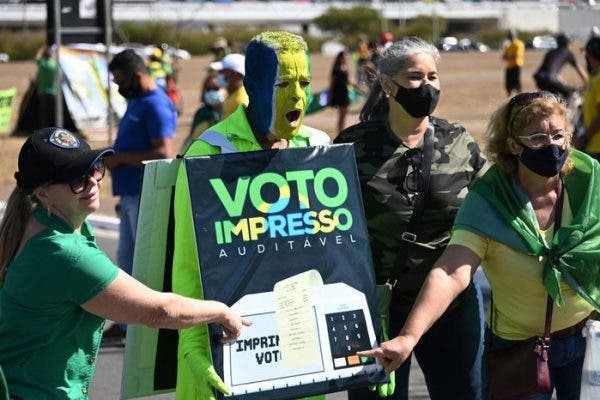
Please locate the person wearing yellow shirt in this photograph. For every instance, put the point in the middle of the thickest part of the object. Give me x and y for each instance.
(532, 222)
(591, 100)
(231, 75)
(514, 56)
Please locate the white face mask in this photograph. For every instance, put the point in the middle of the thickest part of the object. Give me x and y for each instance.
(221, 81)
(214, 97)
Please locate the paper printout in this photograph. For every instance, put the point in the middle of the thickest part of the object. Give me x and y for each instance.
(295, 322)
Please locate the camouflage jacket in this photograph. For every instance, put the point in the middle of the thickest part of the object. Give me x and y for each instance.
(382, 169)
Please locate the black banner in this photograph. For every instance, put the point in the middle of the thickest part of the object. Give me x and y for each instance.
(81, 21)
(264, 216)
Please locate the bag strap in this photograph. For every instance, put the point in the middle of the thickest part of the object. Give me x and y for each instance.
(421, 200)
(549, 302)
(557, 222)
(408, 236)
(217, 139)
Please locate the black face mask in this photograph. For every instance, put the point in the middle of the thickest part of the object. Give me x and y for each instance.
(133, 89)
(418, 102)
(547, 161)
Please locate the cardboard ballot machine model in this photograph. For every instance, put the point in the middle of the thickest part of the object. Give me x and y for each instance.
(281, 238)
(255, 362)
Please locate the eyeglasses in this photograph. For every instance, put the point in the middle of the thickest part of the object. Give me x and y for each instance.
(539, 140)
(414, 181)
(96, 171)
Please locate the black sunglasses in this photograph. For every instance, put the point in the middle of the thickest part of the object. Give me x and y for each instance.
(521, 100)
(414, 181)
(96, 171)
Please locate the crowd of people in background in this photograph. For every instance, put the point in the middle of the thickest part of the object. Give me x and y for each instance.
(421, 178)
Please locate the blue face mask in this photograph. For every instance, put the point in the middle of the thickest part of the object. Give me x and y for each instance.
(221, 81)
(547, 161)
(214, 97)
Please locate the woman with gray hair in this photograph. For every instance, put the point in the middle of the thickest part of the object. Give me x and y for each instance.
(415, 170)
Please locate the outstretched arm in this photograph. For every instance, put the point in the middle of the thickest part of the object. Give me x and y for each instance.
(450, 276)
(127, 300)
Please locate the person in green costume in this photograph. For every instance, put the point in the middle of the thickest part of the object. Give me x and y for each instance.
(277, 79)
(506, 224)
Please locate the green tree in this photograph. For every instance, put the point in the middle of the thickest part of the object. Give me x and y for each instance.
(350, 21)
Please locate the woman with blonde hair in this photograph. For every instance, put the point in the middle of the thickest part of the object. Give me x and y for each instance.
(533, 223)
(57, 287)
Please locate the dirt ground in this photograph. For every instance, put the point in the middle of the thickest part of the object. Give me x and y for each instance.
(472, 87)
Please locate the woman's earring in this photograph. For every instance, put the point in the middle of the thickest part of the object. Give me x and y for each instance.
(48, 209)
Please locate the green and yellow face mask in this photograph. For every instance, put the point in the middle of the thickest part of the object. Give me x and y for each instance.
(290, 94)
(277, 79)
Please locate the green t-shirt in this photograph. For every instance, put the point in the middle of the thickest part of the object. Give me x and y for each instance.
(46, 75)
(48, 343)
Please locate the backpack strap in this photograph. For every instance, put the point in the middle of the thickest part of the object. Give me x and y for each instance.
(217, 139)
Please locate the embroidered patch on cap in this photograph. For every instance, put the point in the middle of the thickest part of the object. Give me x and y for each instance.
(64, 139)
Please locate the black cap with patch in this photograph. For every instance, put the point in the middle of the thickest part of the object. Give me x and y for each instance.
(55, 155)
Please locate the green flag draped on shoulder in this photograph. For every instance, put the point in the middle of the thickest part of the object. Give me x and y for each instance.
(498, 208)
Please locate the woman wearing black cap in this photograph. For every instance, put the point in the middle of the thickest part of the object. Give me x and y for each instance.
(57, 287)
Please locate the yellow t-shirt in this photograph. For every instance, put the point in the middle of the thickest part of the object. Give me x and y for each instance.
(591, 100)
(233, 101)
(516, 281)
(514, 54)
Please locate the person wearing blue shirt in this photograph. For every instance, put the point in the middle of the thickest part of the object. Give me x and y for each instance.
(145, 133)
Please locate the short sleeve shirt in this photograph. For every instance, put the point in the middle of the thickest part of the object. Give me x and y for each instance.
(147, 118)
(46, 75)
(515, 54)
(383, 174)
(48, 343)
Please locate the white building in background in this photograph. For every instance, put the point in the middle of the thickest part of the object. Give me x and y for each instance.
(575, 19)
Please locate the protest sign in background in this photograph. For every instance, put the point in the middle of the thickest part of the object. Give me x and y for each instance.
(7, 100)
